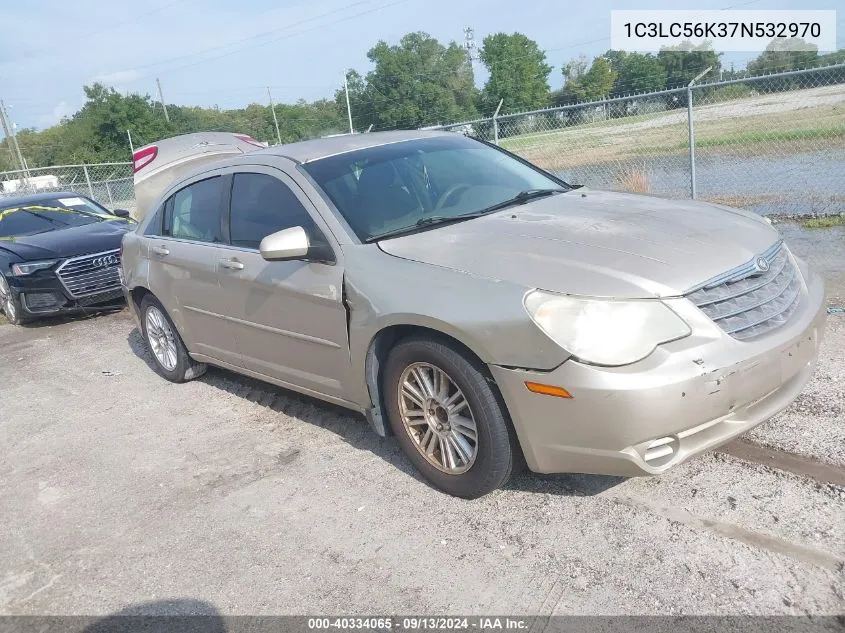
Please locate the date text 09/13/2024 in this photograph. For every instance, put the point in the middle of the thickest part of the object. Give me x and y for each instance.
(477, 623)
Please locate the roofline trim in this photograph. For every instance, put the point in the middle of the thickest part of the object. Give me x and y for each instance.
(358, 149)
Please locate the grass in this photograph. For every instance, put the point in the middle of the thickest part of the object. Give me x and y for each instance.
(823, 222)
(633, 180)
(745, 128)
(758, 136)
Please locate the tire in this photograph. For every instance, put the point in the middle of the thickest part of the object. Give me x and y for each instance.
(10, 304)
(413, 363)
(170, 357)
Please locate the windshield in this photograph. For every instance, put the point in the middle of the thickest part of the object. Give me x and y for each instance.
(32, 219)
(83, 204)
(388, 188)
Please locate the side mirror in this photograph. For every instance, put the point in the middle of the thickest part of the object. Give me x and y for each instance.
(289, 243)
(121, 213)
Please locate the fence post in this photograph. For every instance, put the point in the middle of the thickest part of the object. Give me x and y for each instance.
(691, 139)
(108, 193)
(88, 180)
(691, 131)
(496, 122)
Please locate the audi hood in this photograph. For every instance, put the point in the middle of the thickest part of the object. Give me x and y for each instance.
(62, 243)
(596, 243)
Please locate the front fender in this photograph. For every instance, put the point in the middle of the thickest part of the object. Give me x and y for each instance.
(487, 316)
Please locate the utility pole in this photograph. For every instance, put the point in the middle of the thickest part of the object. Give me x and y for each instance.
(348, 107)
(9, 130)
(161, 98)
(469, 44)
(6, 134)
(275, 120)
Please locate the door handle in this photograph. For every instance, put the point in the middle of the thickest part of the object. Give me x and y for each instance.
(231, 264)
(160, 250)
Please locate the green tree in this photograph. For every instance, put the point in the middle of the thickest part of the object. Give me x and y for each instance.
(828, 59)
(415, 83)
(783, 54)
(583, 82)
(636, 72)
(685, 61)
(518, 74)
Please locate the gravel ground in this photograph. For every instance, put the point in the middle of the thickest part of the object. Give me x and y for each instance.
(118, 488)
(822, 402)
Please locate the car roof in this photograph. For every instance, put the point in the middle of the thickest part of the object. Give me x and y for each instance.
(7, 202)
(305, 151)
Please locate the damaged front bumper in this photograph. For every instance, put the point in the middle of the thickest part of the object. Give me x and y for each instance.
(43, 295)
(687, 397)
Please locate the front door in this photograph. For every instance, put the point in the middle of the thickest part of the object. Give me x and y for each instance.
(184, 269)
(288, 316)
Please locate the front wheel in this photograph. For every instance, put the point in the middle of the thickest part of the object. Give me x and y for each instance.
(10, 304)
(448, 418)
(169, 354)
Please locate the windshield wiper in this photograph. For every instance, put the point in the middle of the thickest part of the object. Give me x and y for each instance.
(521, 198)
(424, 223)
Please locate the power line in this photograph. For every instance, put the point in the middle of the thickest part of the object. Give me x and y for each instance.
(250, 38)
(110, 27)
(319, 26)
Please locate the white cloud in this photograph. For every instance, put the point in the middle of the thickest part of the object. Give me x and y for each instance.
(61, 110)
(117, 78)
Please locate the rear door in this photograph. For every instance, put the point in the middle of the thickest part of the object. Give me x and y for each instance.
(289, 318)
(184, 267)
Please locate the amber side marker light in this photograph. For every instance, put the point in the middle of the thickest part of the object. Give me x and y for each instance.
(548, 390)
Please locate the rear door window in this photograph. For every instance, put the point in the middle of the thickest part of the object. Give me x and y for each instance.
(262, 205)
(193, 213)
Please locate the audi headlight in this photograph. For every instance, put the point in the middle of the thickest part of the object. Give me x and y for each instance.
(605, 331)
(27, 268)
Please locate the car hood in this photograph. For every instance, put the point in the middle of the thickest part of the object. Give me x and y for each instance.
(78, 240)
(596, 243)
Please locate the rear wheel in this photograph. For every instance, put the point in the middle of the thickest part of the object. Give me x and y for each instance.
(170, 357)
(448, 418)
(10, 304)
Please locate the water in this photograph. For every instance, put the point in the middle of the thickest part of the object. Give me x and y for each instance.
(824, 249)
(797, 183)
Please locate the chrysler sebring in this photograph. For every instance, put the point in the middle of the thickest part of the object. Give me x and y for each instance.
(481, 310)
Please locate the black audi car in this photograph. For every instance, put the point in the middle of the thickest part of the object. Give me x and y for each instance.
(59, 253)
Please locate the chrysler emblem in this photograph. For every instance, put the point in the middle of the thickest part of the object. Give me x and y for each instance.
(108, 260)
(762, 264)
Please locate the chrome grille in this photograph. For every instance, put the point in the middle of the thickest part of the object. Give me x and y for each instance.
(92, 274)
(747, 302)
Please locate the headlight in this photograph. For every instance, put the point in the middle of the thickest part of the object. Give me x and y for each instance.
(605, 331)
(27, 268)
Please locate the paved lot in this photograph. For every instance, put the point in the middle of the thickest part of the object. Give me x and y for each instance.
(117, 487)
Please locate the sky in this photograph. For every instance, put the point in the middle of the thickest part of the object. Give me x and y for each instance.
(224, 53)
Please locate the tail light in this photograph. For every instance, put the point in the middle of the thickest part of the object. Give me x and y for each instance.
(143, 157)
(248, 139)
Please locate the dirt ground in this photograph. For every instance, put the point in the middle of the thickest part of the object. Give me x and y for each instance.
(118, 488)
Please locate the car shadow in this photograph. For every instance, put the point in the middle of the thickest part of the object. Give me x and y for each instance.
(186, 615)
(353, 428)
(62, 319)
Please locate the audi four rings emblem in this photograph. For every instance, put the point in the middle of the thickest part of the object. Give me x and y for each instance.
(762, 264)
(108, 260)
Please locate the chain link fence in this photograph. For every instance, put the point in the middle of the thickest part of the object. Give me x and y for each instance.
(773, 144)
(110, 184)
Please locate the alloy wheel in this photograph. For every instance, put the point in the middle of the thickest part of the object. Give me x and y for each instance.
(161, 339)
(6, 301)
(438, 418)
